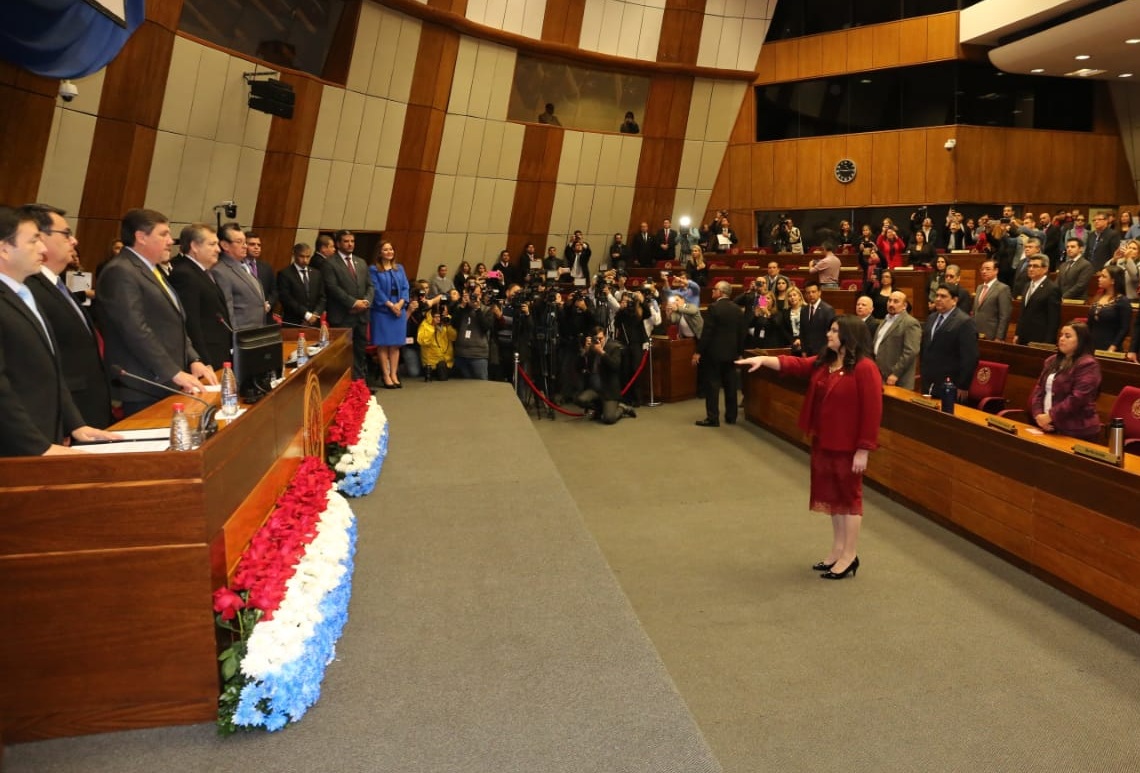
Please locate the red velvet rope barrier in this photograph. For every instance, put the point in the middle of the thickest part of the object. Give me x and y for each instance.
(560, 409)
(641, 367)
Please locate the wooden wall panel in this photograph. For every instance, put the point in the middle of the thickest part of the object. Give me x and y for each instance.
(942, 36)
(24, 142)
(784, 170)
(833, 56)
(831, 150)
(885, 39)
(809, 158)
(810, 57)
(884, 167)
(744, 130)
(562, 22)
(534, 192)
(859, 149)
(912, 40)
(681, 25)
(940, 166)
(860, 49)
(763, 168)
(912, 166)
(787, 59)
(666, 119)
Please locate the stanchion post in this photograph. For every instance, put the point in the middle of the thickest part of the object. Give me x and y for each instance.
(653, 402)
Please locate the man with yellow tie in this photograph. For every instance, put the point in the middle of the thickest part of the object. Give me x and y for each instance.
(143, 324)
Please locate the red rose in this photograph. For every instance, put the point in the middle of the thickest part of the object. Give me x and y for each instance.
(227, 603)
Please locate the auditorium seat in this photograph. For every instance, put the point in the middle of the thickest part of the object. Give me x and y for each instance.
(987, 388)
(852, 286)
(1127, 407)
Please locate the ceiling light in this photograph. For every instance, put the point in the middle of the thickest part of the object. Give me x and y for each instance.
(1132, 41)
(1082, 57)
(1086, 72)
(1039, 69)
(1124, 75)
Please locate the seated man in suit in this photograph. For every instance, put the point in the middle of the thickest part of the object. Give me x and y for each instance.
(993, 305)
(897, 341)
(244, 293)
(38, 410)
(143, 324)
(207, 317)
(1040, 307)
(949, 344)
(816, 317)
(302, 289)
(74, 330)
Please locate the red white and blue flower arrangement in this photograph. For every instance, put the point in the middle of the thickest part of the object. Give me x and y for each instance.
(288, 602)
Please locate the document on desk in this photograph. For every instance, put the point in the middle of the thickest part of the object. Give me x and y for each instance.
(130, 447)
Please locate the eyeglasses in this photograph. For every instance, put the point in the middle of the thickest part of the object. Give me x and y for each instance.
(65, 232)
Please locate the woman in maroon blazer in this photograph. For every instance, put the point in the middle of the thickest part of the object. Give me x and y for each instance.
(1064, 398)
(842, 411)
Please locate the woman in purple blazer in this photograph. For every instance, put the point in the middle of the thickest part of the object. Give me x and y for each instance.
(1064, 398)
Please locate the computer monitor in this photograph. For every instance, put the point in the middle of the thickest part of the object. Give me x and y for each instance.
(257, 360)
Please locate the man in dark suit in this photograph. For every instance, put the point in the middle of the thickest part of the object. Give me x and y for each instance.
(642, 249)
(666, 241)
(207, 318)
(721, 341)
(1075, 272)
(816, 317)
(349, 292)
(1040, 306)
(245, 296)
(1054, 231)
(262, 271)
(37, 407)
(144, 330)
(949, 344)
(1102, 243)
(302, 289)
(72, 326)
(863, 308)
(601, 363)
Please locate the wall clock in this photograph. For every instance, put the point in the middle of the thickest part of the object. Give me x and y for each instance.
(845, 170)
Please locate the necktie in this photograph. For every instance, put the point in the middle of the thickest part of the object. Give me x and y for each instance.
(26, 296)
(62, 286)
(305, 278)
(166, 287)
(1028, 292)
(351, 265)
(251, 267)
(811, 312)
(937, 324)
(982, 294)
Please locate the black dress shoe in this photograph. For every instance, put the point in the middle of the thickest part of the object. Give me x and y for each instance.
(850, 570)
(822, 567)
(730, 421)
(707, 423)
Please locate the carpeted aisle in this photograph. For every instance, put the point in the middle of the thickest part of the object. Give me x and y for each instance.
(486, 631)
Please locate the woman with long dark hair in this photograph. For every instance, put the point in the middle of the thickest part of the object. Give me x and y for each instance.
(842, 411)
(1064, 399)
(1110, 313)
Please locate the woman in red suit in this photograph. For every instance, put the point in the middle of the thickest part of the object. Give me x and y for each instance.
(842, 411)
(1064, 398)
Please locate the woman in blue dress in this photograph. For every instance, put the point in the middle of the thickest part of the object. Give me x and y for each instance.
(388, 316)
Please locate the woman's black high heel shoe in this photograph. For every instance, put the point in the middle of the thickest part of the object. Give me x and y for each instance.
(850, 570)
(822, 567)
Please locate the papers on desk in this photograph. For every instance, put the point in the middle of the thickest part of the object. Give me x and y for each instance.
(155, 433)
(136, 447)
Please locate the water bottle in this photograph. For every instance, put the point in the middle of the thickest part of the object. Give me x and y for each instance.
(949, 396)
(1116, 439)
(302, 350)
(229, 391)
(181, 438)
(324, 330)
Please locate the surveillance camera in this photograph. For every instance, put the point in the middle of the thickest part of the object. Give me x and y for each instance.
(951, 144)
(228, 207)
(68, 91)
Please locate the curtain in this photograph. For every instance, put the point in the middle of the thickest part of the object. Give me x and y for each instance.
(63, 38)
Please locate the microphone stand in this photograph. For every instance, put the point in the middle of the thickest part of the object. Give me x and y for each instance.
(207, 424)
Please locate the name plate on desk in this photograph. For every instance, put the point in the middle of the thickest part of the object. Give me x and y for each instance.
(1003, 424)
(1106, 354)
(1098, 454)
(927, 402)
(1042, 345)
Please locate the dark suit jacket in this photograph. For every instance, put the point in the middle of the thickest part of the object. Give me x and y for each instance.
(244, 294)
(952, 352)
(295, 300)
(669, 240)
(268, 281)
(341, 291)
(143, 330)
(203, 302)
(78, 351)
(1073, 278)
(37, 406)
(1041, 315)
(813, 329)
(644, 250)
(1098, 249)
(722, 336)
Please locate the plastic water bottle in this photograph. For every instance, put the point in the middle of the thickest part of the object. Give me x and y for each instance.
(949, 396)
(181, 438)
(302, 350)
(324, 330)
(229, 391)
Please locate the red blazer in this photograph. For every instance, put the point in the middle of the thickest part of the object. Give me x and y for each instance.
(892, 252)
(851, 410)
(1074, 397)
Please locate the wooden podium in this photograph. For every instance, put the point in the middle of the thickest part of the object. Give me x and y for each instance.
(108, 563)
(674, 377)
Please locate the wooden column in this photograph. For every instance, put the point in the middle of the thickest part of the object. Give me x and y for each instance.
(534, 191)
(29, 106)
(666, 118)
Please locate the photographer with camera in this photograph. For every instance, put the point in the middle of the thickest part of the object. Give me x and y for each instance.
(436, 337)
(601, 366)
(631, 331)
(576, 320)
(786, 237)
(474, 323)
(512, 332)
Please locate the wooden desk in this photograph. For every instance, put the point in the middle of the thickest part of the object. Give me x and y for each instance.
(1068, 520)
(108, 563)
(674, 377)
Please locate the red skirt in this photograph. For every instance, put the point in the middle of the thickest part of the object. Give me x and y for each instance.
(835, 490)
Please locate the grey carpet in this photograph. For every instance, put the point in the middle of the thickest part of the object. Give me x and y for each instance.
(486, 631)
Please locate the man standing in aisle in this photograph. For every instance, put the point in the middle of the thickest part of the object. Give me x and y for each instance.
(71, 324)
(949, 344)
(143, 324)
(348, 293)
(721, 342)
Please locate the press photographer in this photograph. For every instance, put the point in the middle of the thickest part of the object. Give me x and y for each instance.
(474, 323)
(601, 364)
(436, 337)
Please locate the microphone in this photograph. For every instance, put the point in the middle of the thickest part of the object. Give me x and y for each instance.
(277, 318)
(207, 424)
(219, 318)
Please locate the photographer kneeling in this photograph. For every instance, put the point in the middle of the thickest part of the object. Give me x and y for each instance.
(602, 378)
(436, 338)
